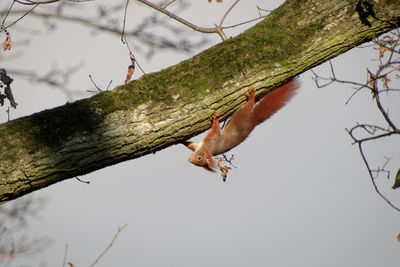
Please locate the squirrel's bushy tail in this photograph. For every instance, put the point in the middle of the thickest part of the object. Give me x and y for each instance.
(273, 101)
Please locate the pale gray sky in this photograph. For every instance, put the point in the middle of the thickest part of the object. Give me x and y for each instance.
(300, 196)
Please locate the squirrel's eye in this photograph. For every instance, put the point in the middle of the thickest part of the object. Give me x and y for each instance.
(199, 158)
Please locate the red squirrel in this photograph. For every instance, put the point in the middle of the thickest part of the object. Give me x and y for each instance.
(240, 125)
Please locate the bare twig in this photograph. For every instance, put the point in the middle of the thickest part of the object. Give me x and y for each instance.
(373, 180)
(360, 142)
(125, 41)
(226, 13)
(82, 181)
(262, 10)
(168, 3)
(31, 2)
(388, 65)
(123, 23)
(65, 255)
(218, 29)
(229, 160)
(95, 85)
(242, 23)
(8, 114)
(378, 101)
(3, 28)
(98, 88)
(260, 16)
(179, 19)
(105, 22)
(109, 246)
(5, 17)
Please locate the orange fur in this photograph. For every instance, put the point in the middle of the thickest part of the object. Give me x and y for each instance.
(242, 122)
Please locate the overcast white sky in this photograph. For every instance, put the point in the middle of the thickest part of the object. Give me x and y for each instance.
(300, 196)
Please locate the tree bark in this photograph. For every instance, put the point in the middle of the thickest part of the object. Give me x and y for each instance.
(165, 108)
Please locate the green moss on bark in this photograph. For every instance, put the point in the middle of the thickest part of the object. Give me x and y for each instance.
(163, 108)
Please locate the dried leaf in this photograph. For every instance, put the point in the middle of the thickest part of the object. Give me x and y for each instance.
(398, 237)
(385, 81)
(371, 79)
(131, 69)
(7, 42)
(11, 254)
(397, 180)
(382, 50)
(71, 264)
(129, 73)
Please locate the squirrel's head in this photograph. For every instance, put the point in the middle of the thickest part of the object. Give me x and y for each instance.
(198, 158)
(202, 159)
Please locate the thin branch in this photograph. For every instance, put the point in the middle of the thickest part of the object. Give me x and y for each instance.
(168, 3)
(82, 181)
(218, 29)
(383, 112)
(361, 86)
(226, 13)
(108, 86)
(179, 19)
(316, 78)
(372, 178)
(14, 22)
(229, 160)
(383, 168)
(359, 142)
(220, 32)
(123, 23)
(372, 80)
(8, 113)
(30, 2)
(109, 246)
(125, 41)
(263, 10)
(374, 132)
(97, 88)
(364, 127)
(5, 17)
(95, 85)
(150, 39)
(242, 23)
(65, 255)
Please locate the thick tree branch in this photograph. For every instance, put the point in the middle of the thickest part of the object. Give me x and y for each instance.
(168, 107)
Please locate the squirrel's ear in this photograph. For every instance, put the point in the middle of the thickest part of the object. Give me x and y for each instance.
(191, 145)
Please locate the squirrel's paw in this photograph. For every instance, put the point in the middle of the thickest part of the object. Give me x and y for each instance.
(251, 92)
(215, 115)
